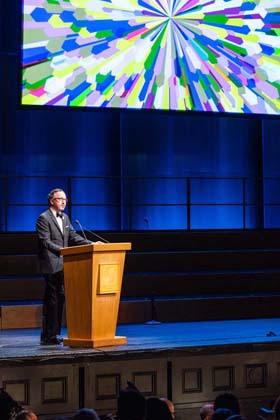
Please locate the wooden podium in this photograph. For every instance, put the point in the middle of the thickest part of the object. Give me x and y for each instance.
(93, 280)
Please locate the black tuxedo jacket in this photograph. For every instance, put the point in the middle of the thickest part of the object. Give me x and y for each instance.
(52, 239)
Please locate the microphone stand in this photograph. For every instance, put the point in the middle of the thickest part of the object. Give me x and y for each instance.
(99, 237)
(93, 233)
(154, 320)
(82, 230)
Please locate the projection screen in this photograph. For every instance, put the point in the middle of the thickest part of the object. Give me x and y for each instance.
(195, 55)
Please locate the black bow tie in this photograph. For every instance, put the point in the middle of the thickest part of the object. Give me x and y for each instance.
(59, 214)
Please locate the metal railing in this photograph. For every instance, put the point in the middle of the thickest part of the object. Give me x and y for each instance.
(130, 199)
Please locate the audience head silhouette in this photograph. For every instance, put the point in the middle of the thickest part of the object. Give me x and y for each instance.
(26, 415)
(131, 404)
(86, 414)
(221, 414)
(227, 400)
(236, 417)
(276, 408)
(9, 408)
(171, 407)
(206, 411)
(157, 409)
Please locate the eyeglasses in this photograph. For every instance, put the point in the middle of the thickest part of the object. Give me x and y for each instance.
(61, 199)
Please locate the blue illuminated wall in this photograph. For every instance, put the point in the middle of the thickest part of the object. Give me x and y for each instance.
(202, 148)
(271, 169)
(134, 170)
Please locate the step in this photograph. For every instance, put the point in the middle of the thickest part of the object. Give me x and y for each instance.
(193, 283)
(164, 309)
(167, 283)
(26, 242)
(200, 308)
(163, 283)
(21, 288)
(18, 243)
(18, 315)
(15, 265)
(232, 239)
(202, 260)
(18, 265)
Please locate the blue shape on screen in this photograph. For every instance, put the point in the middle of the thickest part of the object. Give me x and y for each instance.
(267, 49)
(99, 47)
(105, 83)
(78, 90)
(248, 6)
(35, 54)
(41, 15)
(67, 16)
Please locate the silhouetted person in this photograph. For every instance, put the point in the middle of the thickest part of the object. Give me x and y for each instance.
(86, 414)
(206, 411)
(26, 415)
(272, 413)
(221, 414)
(9, 408)
(61, 418)
(170, 405)
(227, 400)
(236, 417)
(131, 404)
(157, 409)
(276, 408)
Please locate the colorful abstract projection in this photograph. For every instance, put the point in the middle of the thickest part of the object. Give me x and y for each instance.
(199, 55)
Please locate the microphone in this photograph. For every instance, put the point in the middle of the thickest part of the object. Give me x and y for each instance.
(81, 227)
(90, 231)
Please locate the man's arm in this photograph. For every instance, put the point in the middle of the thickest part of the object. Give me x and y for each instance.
(44, 234)
(75, 238)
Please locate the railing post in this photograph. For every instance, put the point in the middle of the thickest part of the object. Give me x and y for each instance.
(260, 202)
(129, 205)
(5, 201)
(69, 189)
(188, 203)
(244, 202)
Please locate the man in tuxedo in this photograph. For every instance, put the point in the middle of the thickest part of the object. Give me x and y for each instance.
(54, 232)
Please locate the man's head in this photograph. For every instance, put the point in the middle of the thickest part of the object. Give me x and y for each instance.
(157, 409)
(206, 411)
(221, 414)
(227, 400)
(170, 405)
(8, 406)
(26, 415)
(86, 414)
(131, 405)
(57, 199)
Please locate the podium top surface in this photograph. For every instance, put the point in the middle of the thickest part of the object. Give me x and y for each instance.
(97, 247)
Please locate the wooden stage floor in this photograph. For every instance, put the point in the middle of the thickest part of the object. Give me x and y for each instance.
(188, 362)
(185, 337)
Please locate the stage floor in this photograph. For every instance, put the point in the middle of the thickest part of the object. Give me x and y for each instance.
(146, 340)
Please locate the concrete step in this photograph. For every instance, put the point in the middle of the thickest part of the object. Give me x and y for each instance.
(203, 283)
(203, 260)
(217, 282)
(164, 309)
(26, 242)
(16, 265)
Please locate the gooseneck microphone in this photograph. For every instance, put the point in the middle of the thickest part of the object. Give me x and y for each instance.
(90, 231)
(82, 230)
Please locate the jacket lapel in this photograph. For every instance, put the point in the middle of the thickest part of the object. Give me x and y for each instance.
(63, 222)
(53, 218)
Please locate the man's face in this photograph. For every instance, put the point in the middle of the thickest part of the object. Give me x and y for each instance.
(32, 416)
(59, 201)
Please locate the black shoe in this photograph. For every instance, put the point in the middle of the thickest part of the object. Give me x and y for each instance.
(52, 341)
